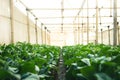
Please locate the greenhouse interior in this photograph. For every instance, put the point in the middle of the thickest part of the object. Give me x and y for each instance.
(59, 40)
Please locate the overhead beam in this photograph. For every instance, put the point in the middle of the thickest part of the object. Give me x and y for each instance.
(33, 9)
(75, 23)
(72, 17)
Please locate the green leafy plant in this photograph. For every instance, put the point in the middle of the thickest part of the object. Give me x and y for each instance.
(25, 61)
(92, 62)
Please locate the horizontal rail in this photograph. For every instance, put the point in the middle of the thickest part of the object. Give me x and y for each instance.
(68, 8)
(74, 23)
(71, 17)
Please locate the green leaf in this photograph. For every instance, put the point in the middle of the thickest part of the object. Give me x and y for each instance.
(117, 59)
(12, 69)
(30, 76)
(27, 67)
(80, 77)
(4, 74)
(102, 76)
(86, 61)
(89, 72)
(43, 76)
(7, 75)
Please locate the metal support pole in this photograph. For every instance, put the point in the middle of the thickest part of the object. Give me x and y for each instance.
(49, 39)
(74, 36)
(45, 33)
(41, 33)
(118, 33)
(96, 41)
(100, 15)
(115, 23)
(36, 30)
(82, 34)
(78, 31)
(12, 20)
(110, 8)
(62, 10)
(108, 34)
(101, 36)
(78, 35)
(46, 36)
(82, 29)
(87, 21)
(28, 25)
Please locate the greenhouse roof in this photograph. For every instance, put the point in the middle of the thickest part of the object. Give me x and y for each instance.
(53, 13)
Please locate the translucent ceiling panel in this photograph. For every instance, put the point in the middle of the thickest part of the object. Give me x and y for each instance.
(49, 12)
(42, 3)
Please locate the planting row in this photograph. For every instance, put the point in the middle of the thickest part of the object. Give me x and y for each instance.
(92, 62)
(25, 61)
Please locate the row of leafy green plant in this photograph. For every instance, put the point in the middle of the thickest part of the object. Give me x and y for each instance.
(92, 62)
(25, 61)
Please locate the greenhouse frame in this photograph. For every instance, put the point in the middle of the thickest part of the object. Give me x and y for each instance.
(39, 24)
(59, 39)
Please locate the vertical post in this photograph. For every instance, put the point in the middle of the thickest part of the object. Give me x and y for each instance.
(42, 33)
(74, 36)
(100, 15)
(46, 36)
(82, 33)
(118, 33)
(115, 23)
(108, 34)
(110, 8)
(94, 29)
(36, 30)
(45, 33)
(61, 76)
(101, 36)
(87, 21)
(82, 29)
(12, 20)
(62, 10)
(49, 38)
(78, 31)
(28, 25)
(78, 35)
(96, 41)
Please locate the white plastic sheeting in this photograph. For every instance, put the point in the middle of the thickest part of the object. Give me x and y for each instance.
(4, 22)
(70, 35)
(20, 26)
